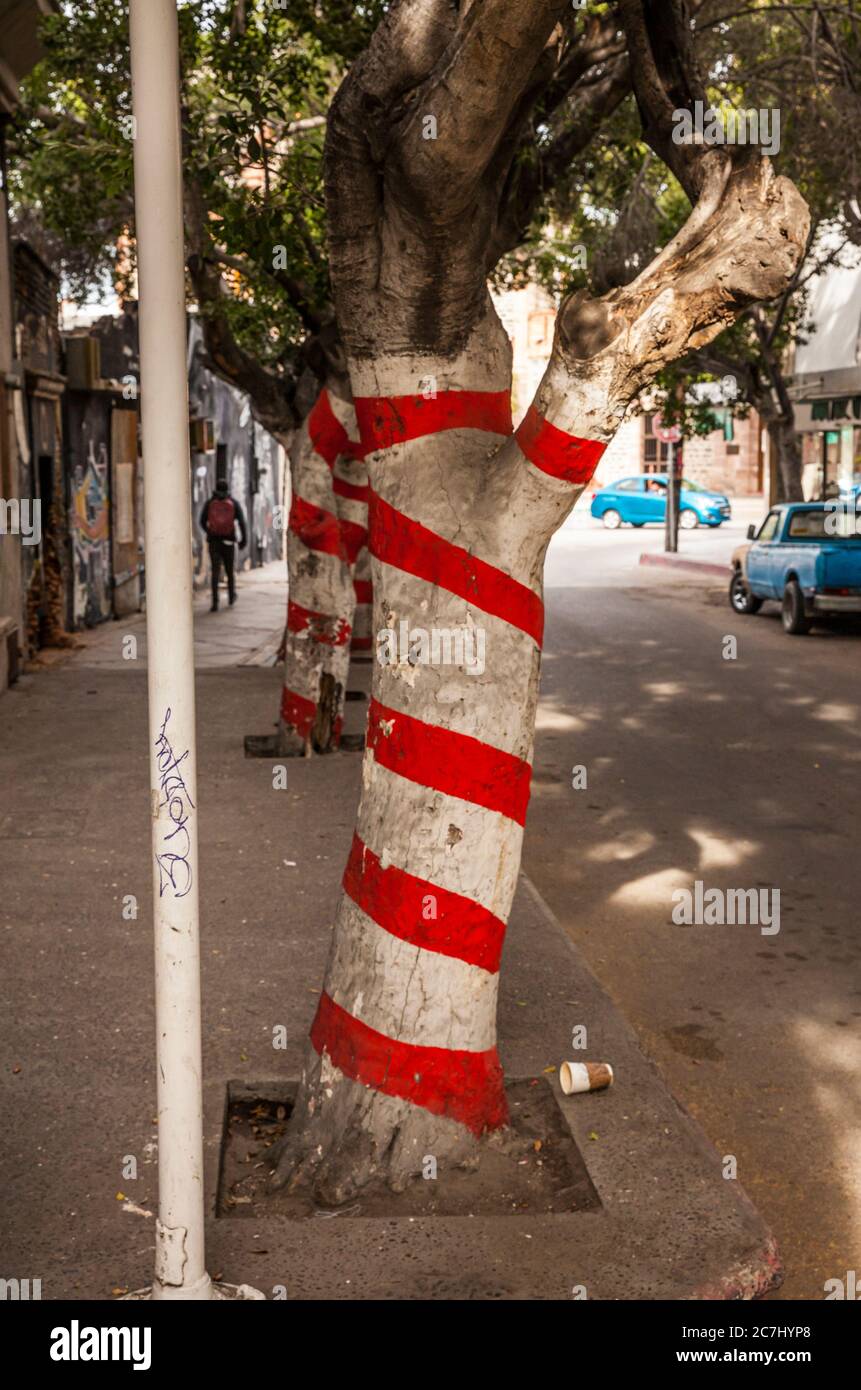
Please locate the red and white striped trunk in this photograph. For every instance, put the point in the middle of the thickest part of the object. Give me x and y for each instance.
(327, 531)
(404, 1060)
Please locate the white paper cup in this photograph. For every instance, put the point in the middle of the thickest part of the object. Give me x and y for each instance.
(575, 1077)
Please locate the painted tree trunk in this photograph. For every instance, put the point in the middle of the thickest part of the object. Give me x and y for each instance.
(405, 1034)
(363, 619)
(327, 531)
(403, 1061)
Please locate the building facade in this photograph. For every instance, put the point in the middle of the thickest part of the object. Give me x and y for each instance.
(20, 50)
(826, 383)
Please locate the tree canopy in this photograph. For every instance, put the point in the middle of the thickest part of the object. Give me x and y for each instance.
(586, 202)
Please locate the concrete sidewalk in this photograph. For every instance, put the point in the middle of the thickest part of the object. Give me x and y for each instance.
(79, 1086)
(247, 634)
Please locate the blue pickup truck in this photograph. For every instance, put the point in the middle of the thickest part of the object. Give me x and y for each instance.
(807, 556)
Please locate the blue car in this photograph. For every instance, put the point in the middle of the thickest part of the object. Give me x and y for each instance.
(807, 556)
(644, 499)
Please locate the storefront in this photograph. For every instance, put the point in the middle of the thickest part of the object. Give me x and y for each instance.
(826, 386)
(830, 444)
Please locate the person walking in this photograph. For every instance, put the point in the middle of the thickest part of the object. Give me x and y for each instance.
(220, 516)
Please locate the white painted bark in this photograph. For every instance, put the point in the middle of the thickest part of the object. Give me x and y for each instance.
(402, 1062)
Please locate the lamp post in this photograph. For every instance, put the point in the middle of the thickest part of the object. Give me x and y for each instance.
(180, 1269)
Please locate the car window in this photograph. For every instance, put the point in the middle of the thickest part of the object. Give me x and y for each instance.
(835, 520)
(693, 487)
(627, 485)
(658, 485)
(768, 529)
(807, 525)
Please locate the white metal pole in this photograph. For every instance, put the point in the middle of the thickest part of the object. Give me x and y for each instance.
(180, 1271)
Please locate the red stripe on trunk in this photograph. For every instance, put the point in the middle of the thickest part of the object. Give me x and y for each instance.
(324, 627)
(361, 644)
(298, 712)
(555, 452)
(409, 546)
(397, 902)
(327, 434)
(465, 1086)
(456, 764)
(321, 530)
(364, 590)
(356, 492)
(387, 420)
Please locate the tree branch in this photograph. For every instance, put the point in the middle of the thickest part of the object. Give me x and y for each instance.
(271, 396)
(475, 88)
(666, 80)
(741, 245)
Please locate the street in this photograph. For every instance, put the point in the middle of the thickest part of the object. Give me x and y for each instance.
(743, 774)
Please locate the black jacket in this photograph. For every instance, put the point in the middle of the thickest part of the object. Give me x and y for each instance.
(239, 514)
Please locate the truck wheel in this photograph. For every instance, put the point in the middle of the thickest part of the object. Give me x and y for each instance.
(612, 519)
(740, 597)
(794, 614)
(688, 519)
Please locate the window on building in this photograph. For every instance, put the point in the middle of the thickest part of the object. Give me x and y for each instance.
(653, 453)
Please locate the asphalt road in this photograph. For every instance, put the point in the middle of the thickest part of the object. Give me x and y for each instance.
(741, 774)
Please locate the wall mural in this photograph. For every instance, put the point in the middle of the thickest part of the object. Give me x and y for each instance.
(90, 537)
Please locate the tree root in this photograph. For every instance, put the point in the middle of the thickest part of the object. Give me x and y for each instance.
(343, 1137)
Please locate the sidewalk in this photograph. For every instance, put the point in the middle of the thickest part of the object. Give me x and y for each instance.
(247, 634)
(79, 1085)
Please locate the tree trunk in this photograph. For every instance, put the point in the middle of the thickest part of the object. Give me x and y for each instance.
(363, 619)
(403, 1060)
(327, 531)
(785, 447)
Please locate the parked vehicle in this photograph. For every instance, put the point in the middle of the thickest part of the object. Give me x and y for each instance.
(643, 499)
(805, 555)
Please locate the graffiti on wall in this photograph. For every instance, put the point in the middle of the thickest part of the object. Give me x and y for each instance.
(91, 537)
(267, 537)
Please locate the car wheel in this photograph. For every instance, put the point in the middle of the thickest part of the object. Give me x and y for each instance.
(612, 519)
(740, 597)
(688, 519)
(794, 614)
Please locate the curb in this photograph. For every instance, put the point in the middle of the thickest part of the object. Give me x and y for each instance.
(691, 566)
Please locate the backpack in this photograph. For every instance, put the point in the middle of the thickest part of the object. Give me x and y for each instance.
(221, 518)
